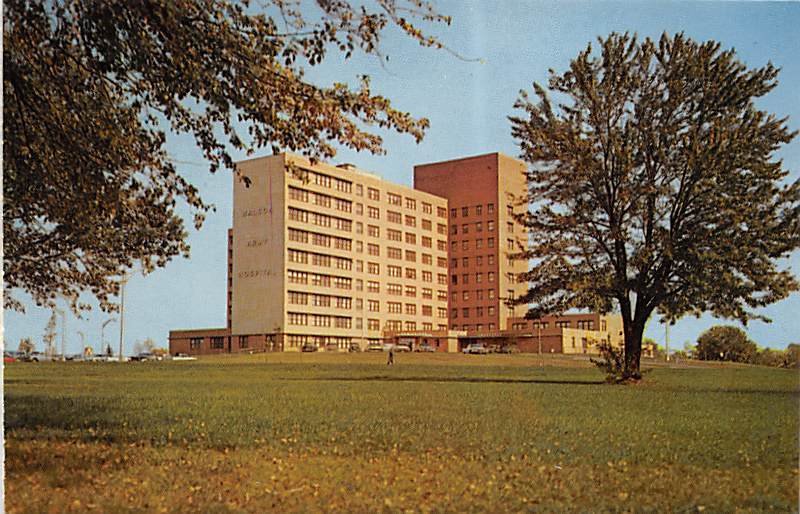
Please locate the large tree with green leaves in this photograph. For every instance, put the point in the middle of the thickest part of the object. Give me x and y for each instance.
(655, 186)
(92, 88)
(725, 343)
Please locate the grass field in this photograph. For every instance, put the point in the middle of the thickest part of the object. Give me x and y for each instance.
(436, 433)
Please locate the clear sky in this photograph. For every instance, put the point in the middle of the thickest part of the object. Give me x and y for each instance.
(467, 103)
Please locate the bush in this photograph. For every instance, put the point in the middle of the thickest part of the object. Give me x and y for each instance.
(611, 362)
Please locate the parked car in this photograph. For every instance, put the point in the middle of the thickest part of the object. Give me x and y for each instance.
(425, 347)
(354, 348)
(509, 348)
(9, 357)
(374, 347)
(402, 348)
(476, 348)
(309, 348)
(183, 357)
(39, 357)
(143, 356)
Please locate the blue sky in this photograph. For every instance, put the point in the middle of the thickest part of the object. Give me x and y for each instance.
(467, 102)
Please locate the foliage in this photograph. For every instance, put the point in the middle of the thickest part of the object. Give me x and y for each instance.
(793, 356)
(440, 433)
(655, 186)
(144, 346)
(611, 361)
(725, 343)
(92, 88)
(49, 337)
(26, 346)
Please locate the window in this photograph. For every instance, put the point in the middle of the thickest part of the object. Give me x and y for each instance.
(441, 212)
(297, 318)
(373, 249)
(427, 242)
(441, 228)
(359, 284)
(394, 235)
(373, 268)
(441, 295)
(478, 277)
(491, 311)
(394, 271)
(465, 278)
(453, 212)
(479, 294)
(411, 273)
(217, 343)
(427, 293)
(478, 243)
(465, 295)
(479, 226)
(510, 244)
(373, 306)
(427, 276)
(465, 228)
(427, 258)
(298, 298)
(427, 208)
(394, 289)
(411, 291)
(243, 342)
(586, 324)
(490, 292)
(465, 245)
(453, 230)
(195, 343)
(394, 253)
(411, 238)
(562, 324)
(491, 276)
(359, 304)
(510, 227)
(490, 258)
(411, 204)
(373, 194)
(441, 278)
(453, 263)
(359, 190)
(454, 313)
(465, 211)
(541, 324)
(465, 261)
(479, 312)
(373, 324)
(427, 310)
(394, 217)
(479, 261)
(490, 226)
(510, 210)
(441, 245)
(441, 312)
(455, 279)
(373, 212)
(479, 210)
(490, 242)
(490, 208)
(394, 199)
(373, 287)
(426, 224)
(373, 231)
(395, 307)
(411, 256)
(411, 309)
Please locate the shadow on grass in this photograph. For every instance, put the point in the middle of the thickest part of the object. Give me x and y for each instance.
(477, 380)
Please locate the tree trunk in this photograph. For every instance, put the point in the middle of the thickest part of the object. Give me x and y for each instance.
(634, 330)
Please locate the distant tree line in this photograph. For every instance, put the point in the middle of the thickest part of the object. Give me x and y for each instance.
(731, 344)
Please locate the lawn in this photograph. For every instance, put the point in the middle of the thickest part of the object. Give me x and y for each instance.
(435, 433)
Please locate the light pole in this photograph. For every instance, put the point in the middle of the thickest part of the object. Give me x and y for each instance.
(102, 335)
(83, 342)
(123, 281)
(539, 330)
(63, 331)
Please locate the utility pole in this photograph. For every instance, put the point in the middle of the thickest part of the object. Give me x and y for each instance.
(83, 342)
(63, 332)
(666, 338)
(123, 281)
(539, 330)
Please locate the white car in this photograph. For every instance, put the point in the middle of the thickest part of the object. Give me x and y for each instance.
(183, 357)
(476, 348)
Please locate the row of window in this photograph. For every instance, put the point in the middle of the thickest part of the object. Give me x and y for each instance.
(320, 220)
(479, 312)
(478, 260)
(478, 327)
(580, 324)
(323, 200)
(477, 294)
(319, 280)
(320, 300)
(319, 320)
(478, 278)
(324, 240)
(319, 259)
(397, 200)
(477, 210)
(297, 341)
(324, 180)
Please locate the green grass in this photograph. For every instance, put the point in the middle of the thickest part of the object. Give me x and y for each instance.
(435, 433)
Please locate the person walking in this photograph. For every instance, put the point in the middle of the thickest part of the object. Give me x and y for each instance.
(390, 362)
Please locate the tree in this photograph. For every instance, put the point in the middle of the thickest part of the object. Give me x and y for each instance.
(144, 346)
(725, 343)
(26, 346)
(91, 88)
(654, 186)
(793, 356)
(50, 335)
